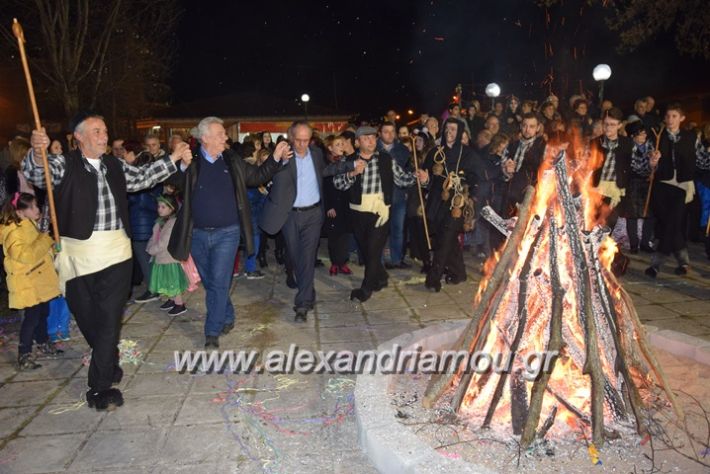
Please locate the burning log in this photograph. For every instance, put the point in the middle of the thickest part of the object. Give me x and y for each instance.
(440, 382)
(497, 221)
(554, 343)
(552, 293)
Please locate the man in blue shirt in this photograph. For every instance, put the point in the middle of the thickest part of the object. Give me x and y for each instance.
(294, 206)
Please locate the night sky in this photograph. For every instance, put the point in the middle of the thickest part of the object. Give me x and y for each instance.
(370, 56)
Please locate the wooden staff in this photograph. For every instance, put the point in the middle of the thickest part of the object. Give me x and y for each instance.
(421, 195)
(653, 172)
(20, 35)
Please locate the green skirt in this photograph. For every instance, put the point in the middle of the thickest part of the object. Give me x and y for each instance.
(167, 279)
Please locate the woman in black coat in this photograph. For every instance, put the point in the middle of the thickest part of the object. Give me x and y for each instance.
(336, 224)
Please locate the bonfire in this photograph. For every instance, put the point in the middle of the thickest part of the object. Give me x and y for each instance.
(550, 290)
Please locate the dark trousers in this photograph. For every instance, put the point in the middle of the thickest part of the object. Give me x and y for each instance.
(97, 302)
(447, 252)
(338, 247)
(372, 242)
(671, 213)
(34, 327)
(142, 258)
(417, 239)
(646, 232)
(302, 234)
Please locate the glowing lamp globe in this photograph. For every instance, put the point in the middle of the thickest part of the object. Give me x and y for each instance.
(492, 90)
(601, 72)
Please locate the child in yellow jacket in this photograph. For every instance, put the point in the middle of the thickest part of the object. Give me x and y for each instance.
(31, 278)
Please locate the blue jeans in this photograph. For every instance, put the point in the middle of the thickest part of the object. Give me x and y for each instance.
(398, 211)
(251, 259)
(213, 251)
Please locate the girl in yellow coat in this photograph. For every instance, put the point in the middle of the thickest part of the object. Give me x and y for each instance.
(31, 278)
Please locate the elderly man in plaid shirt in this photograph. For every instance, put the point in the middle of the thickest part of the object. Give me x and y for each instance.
(370, 196)
(95, 259)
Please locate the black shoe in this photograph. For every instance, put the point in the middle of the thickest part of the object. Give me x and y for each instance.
(146, 297)
(646, 248)
(432, 283)
(105, 399)
(651, 272)
(360, 294)
(26, 362)
(255, 275)
(454, 280)
(681, 270)
(291, 281)
(301, 315)
(211, 342)
(168, 305)
(117, 375)
(177, 309)
(390, 266)
(227, 328)
(319, 263)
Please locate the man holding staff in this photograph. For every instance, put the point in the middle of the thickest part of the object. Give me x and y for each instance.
(674, 163)
(94, 264)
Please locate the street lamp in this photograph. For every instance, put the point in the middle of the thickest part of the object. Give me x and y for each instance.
(601, 73)
(305, 98)
(493, 91)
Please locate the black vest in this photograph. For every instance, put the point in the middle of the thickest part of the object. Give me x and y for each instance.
(622, 160)
(386, 178)
(77, 196)
(684, 157)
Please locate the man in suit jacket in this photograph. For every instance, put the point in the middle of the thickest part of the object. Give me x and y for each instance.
(294, 206)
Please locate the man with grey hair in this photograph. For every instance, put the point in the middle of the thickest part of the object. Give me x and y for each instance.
(294, 206)
(214, 213)
(95, 259)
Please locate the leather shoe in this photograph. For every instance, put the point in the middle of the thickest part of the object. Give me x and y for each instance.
(681, 270)
(105, 399)
(301, 315)
(291, 281)
(227, 328)
(211, 342)
(651, 272)
(360, 294)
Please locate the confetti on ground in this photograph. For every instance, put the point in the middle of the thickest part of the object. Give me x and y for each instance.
(128, 353)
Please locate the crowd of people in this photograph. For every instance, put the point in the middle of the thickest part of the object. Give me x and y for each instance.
(384, 195)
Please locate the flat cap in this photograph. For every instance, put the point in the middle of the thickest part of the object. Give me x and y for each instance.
(365, 130)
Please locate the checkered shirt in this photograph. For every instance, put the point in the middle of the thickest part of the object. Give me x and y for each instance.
(371, 182)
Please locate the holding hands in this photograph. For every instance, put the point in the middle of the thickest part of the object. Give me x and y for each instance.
(283, 151)
(182, 152)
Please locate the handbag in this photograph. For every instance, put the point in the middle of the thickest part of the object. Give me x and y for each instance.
(193, 276)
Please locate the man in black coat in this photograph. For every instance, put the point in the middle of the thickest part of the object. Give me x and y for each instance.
(214, 213)
(679, 153)
(295, 207)
(521, 162)
(450, 166)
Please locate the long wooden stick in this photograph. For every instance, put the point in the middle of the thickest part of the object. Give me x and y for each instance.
(421, 195)
(20, 35)
(653, 173)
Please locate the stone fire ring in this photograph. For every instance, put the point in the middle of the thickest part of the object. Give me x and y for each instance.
(394, 449)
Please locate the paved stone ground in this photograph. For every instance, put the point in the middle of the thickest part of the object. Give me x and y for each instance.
(255, 423)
